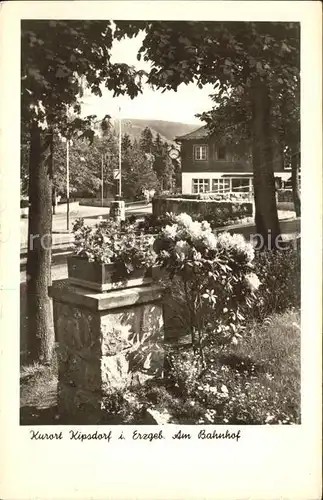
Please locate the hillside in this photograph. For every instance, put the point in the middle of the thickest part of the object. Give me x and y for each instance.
(167, 130)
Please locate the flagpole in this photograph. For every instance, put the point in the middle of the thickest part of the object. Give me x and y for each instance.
(68, 184)
(120, 187)
(102, 164)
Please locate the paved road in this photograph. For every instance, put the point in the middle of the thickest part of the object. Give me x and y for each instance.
(89, 213)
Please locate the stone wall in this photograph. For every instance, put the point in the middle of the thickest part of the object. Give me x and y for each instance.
(106, 341)
(208, 209)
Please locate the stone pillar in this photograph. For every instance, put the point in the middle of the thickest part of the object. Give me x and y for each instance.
(105, 341)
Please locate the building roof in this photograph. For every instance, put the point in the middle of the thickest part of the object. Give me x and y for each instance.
(199, 133)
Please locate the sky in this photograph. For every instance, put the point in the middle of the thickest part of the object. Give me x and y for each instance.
(180, 106)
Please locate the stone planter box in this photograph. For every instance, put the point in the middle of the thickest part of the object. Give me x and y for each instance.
(104, 277)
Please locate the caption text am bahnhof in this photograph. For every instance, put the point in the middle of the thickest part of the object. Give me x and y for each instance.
(81, 436)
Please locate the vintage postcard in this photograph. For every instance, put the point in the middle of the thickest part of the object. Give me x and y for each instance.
(161, 250)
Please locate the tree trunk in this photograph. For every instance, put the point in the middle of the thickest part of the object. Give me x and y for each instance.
(295, 183)
(39, 308)
(266, 217)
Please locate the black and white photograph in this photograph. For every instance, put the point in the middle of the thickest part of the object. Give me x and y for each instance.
(160, 222)
(162, 336)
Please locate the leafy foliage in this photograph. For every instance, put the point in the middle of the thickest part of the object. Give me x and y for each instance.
(216, 274)
(146, 141)
(137, 172)
(107, 243)
(251, 60)
(254, 383)
(60, 58)
(280, 275)
(226, 54)
(85, 165)
(163, 165)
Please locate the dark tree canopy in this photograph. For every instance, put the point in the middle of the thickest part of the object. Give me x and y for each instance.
(221, 53)
(58, 60)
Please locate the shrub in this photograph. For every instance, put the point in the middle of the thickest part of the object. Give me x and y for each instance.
(225, 196)
(161, 398)
(216, 273)
(207, 196)
(220, 211)
(153, 224)
(279, 272)
(121, 406)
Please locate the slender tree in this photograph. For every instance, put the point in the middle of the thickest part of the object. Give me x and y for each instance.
(85, 165)
(137, 172)
(146, 141)
(126, 143)
(58, 58)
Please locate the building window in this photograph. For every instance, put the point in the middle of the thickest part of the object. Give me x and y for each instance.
(200, 152)
(241, 184)
(220, 185)
(201, 186)
(221, 153)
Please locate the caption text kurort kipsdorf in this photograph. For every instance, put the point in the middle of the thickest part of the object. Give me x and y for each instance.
(81, 436)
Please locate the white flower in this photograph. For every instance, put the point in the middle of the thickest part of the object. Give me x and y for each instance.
(236, 242)
(210, 240)
(205, 225)
(195, 230)
(252, 282)
(170, 231)
(184, 219)
(224, 389)
(209, 294)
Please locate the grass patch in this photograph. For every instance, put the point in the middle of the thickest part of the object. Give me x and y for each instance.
(38, 394)
(275, 343)
(256, 382)
(273, 349)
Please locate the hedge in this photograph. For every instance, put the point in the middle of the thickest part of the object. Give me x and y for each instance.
(209, 196)
(217, 211)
